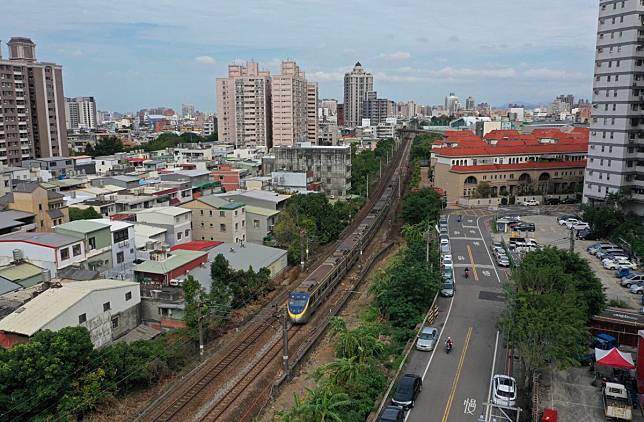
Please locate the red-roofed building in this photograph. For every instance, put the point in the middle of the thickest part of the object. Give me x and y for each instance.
(197, 245)
(229, 177)
(546, 161)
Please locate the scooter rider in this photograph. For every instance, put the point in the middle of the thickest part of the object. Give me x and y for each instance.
(449, 344)
(467, 272)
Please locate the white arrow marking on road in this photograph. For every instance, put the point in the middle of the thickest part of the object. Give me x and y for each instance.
(486, 273)
(456, 232)
(461, 258)
(475, 243)
(473, 231)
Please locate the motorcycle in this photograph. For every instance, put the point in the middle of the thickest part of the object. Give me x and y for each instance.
(467, 273)
(448, 347)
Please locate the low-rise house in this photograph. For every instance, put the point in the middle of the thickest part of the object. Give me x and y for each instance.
(177, 222)
(51, 251)
(123, 245)
(195, 177)
(162, 308)
(22, 273)
(12, 221)
(259, 223)
(97, 239)
(126, 204)
(166, 268)
(145, 233)
(57, 166)
(216, 218)
(258, 198)
(229, 177)
(48, 206)
(126, 182)
(107, 308)
(243, 257)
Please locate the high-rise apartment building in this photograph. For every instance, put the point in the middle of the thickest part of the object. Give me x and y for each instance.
(187, 110)
(244, 106)
(357, 84)
(32, 112)
(452, 104)
(289, 104)
(312, 125)
(469, 103)
(377, 109)
(616, 149)
(80, 113)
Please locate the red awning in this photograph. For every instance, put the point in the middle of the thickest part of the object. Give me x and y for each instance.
(614, 358)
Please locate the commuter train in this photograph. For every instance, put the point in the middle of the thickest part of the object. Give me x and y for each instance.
(308, 296)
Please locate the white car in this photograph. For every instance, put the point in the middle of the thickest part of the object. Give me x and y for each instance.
(565, 221)
(504, 391)
(615, 265)
(530, 203)
(573, 222)
(581, 226)
(447, 263)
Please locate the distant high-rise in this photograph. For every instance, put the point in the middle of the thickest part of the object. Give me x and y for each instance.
(469, 103)
(357, 84)
(187, 110)
(377, 109)
(312, 122)
(32, 111)
(451, 104)
(616, 147)
(289, 105)
(80, 113)
(243, 106)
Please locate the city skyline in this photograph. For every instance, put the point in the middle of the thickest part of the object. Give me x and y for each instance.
(146, 56)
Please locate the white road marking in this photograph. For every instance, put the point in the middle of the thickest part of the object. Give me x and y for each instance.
(456, 232)
(465, 238)
(486, 273)
(498, 279)
(476, 243)
(461, 258)
(488, 411)
(438, 342)
(470, 406)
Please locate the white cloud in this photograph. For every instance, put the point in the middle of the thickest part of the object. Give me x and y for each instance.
(554, 75)
(469, 73)
(325, 76)
(205, 60)
(398, 55)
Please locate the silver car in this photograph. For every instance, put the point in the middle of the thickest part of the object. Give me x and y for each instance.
(427, 339)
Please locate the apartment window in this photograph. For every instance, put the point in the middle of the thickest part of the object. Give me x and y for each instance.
(92, 243)
(211, 213)
(64, 254)
(179, 236)
(120, 236)
(128, 296)
(222, 227)
(186, 232)
(222, 213)
(120, 257)
(82, 318)
(76, 250)
(40, 207)
(201, 212)
(106, 306)
(115, 322)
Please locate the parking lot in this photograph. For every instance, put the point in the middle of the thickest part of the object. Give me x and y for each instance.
(548, 232)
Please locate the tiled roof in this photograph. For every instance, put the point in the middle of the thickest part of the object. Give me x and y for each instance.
(496, 150)
(530, 165)
(52, 240)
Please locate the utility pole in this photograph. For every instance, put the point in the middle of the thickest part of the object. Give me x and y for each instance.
(367, 187)
(285, 340)
(200, 325)
(380, 169)
(427, 244)
(572, 240)
(302, 249)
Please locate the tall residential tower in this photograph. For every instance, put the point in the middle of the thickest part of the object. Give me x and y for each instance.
(357, 84)
(32, 111)
(616, 149)
(80, 113)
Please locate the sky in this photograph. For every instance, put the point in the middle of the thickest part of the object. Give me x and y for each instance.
(133, 54)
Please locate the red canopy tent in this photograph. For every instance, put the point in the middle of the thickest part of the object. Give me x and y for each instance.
(614, 358)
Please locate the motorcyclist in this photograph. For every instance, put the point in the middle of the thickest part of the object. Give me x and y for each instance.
(467, 272)
(448, 343)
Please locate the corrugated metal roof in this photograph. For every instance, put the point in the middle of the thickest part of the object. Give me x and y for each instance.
(20, 272)
(266, 212)
(175, 260)
(83, 226)
(47, 306)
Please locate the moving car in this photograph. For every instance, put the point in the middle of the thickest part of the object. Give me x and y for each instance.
(530, 203)
(409, 386)
(504, 391)
(392, 414)
(427, 339)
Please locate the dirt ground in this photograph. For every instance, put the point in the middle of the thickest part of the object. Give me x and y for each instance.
(323, 353)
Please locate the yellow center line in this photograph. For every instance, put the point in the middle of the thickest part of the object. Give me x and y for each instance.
(450, 399)
(469, 252)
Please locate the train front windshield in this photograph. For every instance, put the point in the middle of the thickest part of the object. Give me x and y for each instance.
(297, 302)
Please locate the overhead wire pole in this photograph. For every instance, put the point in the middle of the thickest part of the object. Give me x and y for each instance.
(285, 342)
(572, 240)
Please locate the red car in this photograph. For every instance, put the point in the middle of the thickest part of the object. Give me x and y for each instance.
(549, 415)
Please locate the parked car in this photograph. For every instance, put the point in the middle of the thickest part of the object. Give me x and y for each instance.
(392, 414)
(427, 339)
(609, 253)
(618, 263)
(623, 273)
(445, 248)
(524, 227)
(503, 261)
(564, 220)
(552, 201)
(530, 203)
(504, 390)
(585, 234)
(570, 201)
(409, 386)
(447, 288)
(571, 223)
(637, 288)
(580, 226)
(447, 263)
(448, 274)
(600, 247)
(633, 279)
(444, 238)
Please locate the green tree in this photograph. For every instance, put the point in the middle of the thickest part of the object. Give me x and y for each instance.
(105, 146)
(88, 213)
(325, 405)
(483, 190)
(422, 205)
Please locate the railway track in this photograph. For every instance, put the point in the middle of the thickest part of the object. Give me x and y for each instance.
(182, 402)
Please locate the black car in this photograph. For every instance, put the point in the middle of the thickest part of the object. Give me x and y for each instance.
(552, 201)
(407, 391)
(570, 201)
(392, 414)
(585, 234)
(524, 227)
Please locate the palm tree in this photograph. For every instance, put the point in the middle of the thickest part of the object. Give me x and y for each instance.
(343, 371)
(324, 405)
(359, 345)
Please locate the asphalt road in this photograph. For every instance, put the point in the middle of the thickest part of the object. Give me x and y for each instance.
(457, 384)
